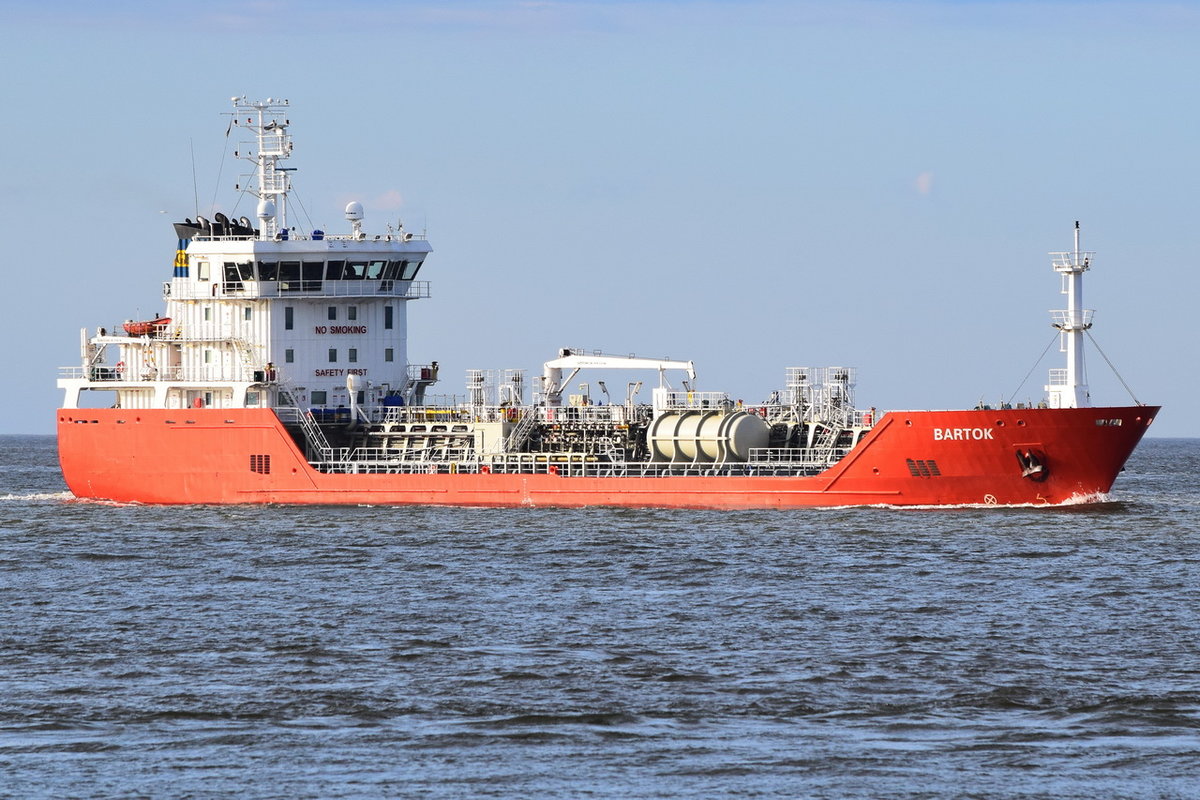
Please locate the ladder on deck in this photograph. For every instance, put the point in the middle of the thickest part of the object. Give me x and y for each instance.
(521, 433)
(314, 437)
(315, 442)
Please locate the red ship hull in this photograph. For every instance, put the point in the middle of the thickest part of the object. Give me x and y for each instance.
(909, 458)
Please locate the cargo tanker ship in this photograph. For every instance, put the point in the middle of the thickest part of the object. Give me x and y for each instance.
(279, 373)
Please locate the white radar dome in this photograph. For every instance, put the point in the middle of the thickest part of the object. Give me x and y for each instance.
(354, 211)
(266, 209)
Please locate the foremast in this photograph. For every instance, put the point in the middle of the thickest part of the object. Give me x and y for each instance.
(1068, 387)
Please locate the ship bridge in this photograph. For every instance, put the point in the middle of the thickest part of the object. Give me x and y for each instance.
(260, 314)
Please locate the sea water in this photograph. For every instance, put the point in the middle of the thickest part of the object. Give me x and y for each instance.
(338, 652)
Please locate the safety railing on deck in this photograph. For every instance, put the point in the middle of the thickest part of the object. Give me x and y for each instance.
(189, 290)
(119, 373)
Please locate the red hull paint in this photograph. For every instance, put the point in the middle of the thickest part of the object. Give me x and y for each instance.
(204, 456)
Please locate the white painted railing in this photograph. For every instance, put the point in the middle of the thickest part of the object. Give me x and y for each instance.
(191, 290)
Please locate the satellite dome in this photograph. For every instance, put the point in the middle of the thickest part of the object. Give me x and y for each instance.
(354, 211)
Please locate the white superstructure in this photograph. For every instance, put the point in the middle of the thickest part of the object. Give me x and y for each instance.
(269, 316)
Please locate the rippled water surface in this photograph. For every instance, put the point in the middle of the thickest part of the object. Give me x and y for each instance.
(434, 652)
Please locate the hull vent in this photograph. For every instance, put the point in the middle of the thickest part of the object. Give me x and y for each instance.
(923, 468)
(260, 464)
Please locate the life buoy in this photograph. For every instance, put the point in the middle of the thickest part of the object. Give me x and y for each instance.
(120, 367)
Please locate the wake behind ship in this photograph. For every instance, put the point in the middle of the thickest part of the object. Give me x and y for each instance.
(279, 373)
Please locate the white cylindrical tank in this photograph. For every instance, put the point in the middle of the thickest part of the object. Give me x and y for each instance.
(705, 436)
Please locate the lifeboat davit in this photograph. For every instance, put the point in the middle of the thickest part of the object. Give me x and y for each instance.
(151, 327)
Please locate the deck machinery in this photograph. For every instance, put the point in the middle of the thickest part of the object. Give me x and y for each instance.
(801, 430)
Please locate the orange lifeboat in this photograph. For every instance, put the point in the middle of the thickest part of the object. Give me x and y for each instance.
(150, 327)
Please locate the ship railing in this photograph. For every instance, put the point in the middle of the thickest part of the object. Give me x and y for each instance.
(553, 415)
(428, 413)
(297, 236)
(704, 401)
(117, 331)
(1071, 261)
(208, 237)
(119, 373)
(182, 289)
(450, 461)
(865, 418)
(423, 372)
(566, 415)
(277, 145)
(1080, 319)
(377, 460)
(771, 456)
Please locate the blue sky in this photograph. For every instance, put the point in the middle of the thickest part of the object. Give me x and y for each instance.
(752, 185)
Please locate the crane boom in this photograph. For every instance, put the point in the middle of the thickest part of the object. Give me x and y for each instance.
(552, 374)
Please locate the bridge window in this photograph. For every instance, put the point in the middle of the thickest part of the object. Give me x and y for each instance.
(410, 270)
(236, 272)
(355, 271)
(268, 270)
(202, 270)
(289, 276)
(375, 270)
(311, 275)
(334, 270)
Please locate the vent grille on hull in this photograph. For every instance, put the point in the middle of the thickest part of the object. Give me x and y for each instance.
(923, 468)
(260, 464)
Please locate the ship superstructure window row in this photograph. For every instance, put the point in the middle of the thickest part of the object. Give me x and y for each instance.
(307, 275)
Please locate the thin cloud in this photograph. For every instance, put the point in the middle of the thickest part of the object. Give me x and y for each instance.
(924, 183)
(391, 200)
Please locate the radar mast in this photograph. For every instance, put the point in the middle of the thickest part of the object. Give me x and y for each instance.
(265, 119)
